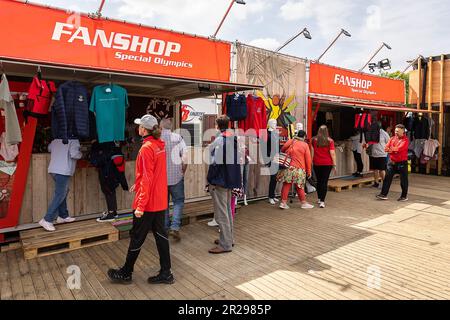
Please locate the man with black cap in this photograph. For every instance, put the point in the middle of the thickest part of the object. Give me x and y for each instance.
(150, 204)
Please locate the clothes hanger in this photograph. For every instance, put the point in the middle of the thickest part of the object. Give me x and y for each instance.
(39, 73)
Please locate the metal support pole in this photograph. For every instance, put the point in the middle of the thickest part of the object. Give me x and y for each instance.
(223, 19)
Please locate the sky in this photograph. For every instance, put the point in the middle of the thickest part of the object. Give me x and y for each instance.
(410, 27)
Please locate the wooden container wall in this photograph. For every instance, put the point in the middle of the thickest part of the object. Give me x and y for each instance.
(85, 196)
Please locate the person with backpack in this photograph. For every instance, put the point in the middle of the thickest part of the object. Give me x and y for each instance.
(224, 175)
(378, 157)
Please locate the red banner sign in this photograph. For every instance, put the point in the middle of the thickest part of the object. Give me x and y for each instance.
(339, 82)
(35, 33)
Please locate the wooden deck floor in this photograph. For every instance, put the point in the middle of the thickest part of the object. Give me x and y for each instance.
(330, 253)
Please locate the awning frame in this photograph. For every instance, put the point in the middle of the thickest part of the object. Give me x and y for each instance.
(100, 76)
(367, 104)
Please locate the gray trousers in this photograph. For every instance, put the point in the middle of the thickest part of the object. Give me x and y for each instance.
(222, 214)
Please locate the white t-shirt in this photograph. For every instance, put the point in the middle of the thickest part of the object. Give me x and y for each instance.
(378, 149)
(356, 144)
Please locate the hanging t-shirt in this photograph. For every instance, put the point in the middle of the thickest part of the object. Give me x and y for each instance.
(109, 103)
(256, 115)
(12, 126)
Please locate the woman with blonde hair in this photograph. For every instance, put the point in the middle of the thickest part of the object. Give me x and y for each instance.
(324, 161)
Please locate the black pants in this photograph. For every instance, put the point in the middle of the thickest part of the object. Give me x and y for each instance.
(359, 162)
(150, 221)
(272, 186)
(393, 168)
(322, 175)
(110, 195)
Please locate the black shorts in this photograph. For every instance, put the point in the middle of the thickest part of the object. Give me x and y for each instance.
(378, 163)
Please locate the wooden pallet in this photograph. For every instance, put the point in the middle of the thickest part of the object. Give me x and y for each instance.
(67, 237)
(337, 185)
(10, 247)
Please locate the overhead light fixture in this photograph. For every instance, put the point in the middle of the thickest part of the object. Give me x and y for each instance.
(346, 33)
(305, 33)
(343, 32)
(382, 65)
(204, 87)
(385, 64)
(371, 58)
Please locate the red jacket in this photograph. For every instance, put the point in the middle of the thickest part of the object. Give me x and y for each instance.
(398, 149)
(151, 177)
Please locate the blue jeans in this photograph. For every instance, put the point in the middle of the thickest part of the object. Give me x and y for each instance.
(58, 206)
(177, 193)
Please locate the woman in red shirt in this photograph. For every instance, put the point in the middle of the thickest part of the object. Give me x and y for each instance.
(299, 169)
(324, 161)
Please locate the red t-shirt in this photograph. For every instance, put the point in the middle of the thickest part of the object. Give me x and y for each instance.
(322, 156)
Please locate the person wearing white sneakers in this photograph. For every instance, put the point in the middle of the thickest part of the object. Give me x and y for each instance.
(324, 160)
(299, 169)
(62, 166)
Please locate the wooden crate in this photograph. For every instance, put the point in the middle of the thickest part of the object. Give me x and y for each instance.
(338, 185)
(67, 237)
(10, 247)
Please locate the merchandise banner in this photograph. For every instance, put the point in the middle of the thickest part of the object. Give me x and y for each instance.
(47, 35)
(283, 78)
(334, 81)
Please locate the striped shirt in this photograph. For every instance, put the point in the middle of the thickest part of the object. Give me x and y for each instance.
(175, 151)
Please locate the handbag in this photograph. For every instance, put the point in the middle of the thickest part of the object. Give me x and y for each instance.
(283, 159)
(310, 185)
(309, 188)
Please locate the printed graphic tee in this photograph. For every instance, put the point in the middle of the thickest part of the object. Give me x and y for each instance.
(109, 103)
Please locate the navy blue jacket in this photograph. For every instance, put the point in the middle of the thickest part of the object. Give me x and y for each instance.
(236, 107)
(225, 170)
(70, 112)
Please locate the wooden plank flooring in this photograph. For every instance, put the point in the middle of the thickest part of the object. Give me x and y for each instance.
(330, 253)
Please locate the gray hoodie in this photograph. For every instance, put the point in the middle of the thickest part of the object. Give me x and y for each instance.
(64, 157)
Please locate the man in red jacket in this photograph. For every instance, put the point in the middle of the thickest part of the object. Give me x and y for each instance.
(397, 147)
(150, 204)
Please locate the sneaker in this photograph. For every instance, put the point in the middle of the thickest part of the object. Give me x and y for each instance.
(108, 217)
(382, 197)
(276, 200)
(322, 205)
(307, 206)
(119, 276)
(272, 201)
(376, 185)
(284, 206)
(65, 220)
(402, 199)
(175, 234)
(161, 278)
(213, 223)
(47, 225)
